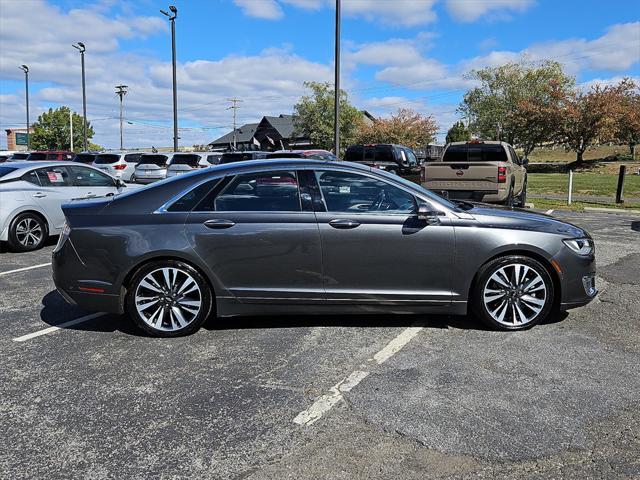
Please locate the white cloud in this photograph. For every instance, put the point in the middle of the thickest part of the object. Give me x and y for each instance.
(267, 9)
(472, 10)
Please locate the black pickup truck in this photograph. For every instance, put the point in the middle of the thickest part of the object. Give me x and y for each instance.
(396, 159)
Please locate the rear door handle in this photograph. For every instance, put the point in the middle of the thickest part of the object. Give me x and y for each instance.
(39, 195)
(344, 223)
(219, 223)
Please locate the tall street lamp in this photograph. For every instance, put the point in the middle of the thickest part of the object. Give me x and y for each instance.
(121, 92)
(25, 69)
(81, 48)
(336, 109)
(172, 18)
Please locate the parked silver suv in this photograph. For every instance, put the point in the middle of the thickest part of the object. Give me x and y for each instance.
(152, 167)
(118, 164)
(187, 162)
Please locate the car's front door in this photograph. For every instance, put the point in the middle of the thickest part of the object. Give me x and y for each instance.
(375, 249)
(260, 239)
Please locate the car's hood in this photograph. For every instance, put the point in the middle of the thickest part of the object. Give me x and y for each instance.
(520, 219)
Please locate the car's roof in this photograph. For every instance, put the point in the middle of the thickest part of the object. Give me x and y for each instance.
(479, 142)
(23, 166)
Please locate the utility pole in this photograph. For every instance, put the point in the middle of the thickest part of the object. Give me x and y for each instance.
(234, 107)
(81, 48)
(172, 18)
(336, 120)
(25, 69)
(71, 129)
(121, 92)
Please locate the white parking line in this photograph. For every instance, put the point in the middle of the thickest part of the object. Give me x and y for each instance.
(46, 331)
(25, 269)
(326, 402)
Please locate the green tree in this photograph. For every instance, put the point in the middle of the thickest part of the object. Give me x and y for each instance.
(458, 133)
(51, 131)
(313, 116)
(405, 127)
(494, 107)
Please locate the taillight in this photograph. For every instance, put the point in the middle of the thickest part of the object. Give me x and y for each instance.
(502, 174)
(120, 166)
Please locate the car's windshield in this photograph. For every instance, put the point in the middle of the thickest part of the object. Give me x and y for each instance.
(106, 159)
(475, 153)
(160, 160)
(5, 170)
(185, 159)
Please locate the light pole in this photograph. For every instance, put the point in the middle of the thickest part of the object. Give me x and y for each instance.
(172, 18)
(336, 120)
(121, 92)
(25, 69)
(81, 48)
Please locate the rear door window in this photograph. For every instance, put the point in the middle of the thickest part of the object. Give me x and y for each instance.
(384, 154)
(132, 158)
(88, 177)
(106, 159)
(354, 154)
(159, 160)
(84, 158)
(261, 192)
(31, 177)
(53, 177)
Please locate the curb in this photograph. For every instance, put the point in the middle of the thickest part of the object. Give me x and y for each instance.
(610, 210)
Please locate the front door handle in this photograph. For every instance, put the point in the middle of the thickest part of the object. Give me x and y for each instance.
(39, 195)
(219, 223)
(344, 223)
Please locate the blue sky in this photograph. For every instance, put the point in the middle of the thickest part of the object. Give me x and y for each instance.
(396, 53)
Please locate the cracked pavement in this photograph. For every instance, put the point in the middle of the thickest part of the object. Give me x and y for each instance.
(99, 400)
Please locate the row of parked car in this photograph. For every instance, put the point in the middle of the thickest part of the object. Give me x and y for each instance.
(144, 168)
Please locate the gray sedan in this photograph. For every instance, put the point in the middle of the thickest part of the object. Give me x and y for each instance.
(299, 236)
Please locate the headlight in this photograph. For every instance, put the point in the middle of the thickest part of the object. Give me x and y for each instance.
(582, 246)
(64, 234)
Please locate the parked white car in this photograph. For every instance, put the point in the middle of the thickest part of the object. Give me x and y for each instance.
(31, 194)
(120, 165)
(151, 167)
(187, 162)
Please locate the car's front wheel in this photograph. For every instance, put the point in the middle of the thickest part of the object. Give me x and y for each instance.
(27, 232)
(169, 298)
(513, 293)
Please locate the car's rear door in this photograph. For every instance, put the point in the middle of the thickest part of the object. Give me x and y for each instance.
(91, 183)
(56, 189)
(260, 242)
(374, 248)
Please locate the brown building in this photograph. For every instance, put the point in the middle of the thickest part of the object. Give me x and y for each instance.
(17, 139)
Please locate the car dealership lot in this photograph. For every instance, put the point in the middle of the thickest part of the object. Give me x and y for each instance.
(400, 396)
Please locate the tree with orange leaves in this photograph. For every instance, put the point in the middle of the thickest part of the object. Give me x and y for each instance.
(405, 127)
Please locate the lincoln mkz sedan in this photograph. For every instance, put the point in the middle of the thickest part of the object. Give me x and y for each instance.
(307, 236)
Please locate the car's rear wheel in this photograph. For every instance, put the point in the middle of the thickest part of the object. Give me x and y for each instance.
(27, 232)
(508, 202)
(522, 198)
(169, 298)
(513, 293)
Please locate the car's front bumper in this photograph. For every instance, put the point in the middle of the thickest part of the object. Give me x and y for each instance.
(577, 278)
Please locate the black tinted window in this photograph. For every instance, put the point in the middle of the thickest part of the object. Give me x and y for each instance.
(87, 177)
(191, 199)
(354, 193)
(186, 159)
(384, 154)
(160, 160)
(475, 153)
(132, 157)
(31, 177)
(213, 159)
(38, 156)
(261, 192)
(84, 158)
(353, 154)
(19, 156)
(53, 177)
(106, 159)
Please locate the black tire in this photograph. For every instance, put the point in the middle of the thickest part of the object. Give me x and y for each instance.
(392, 172)
(133, 179)
(169, 325)
(512, 316)
(522, 198)
(37, 227)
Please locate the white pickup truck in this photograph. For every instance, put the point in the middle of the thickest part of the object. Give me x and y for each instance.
(481, 171)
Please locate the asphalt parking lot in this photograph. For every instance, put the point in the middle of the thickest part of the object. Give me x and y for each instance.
(394, 397)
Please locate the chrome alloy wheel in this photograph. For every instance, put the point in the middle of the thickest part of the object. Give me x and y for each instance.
(514, 295)
(168, 299)
(29, 232)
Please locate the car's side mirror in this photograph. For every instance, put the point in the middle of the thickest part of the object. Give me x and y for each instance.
(426, 212)
(525, 162)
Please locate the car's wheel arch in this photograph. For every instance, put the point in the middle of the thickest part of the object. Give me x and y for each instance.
(542, 259)
(128, 276)
(32, 211)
